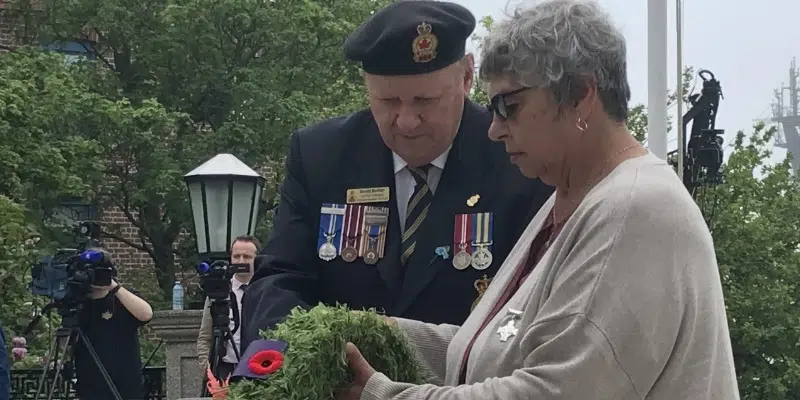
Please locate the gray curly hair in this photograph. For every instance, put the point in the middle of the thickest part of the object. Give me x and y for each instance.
(562, 46)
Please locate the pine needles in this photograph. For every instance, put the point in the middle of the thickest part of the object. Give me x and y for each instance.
(315, 366)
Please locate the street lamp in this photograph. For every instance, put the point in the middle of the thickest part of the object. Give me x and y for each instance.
(224, 194)
(73, 210)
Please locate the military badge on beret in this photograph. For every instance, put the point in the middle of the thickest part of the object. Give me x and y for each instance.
(424, 45)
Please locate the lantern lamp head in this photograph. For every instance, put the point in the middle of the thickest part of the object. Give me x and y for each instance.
(224, 194)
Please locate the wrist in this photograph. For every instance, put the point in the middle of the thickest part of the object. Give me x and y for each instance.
(115, 287)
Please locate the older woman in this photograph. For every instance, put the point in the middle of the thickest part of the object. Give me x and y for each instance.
(613, 290)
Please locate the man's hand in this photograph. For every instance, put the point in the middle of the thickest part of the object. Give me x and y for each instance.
(109, 287)
(362, 370)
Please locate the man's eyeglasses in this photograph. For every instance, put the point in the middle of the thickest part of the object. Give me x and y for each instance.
(499, 104)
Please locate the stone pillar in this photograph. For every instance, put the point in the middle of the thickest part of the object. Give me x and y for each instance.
(179, 331)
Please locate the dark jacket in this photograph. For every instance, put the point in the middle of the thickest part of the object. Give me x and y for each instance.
(343, 153)
(5, 368)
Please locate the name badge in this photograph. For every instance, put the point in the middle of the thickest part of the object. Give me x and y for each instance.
(368, 195)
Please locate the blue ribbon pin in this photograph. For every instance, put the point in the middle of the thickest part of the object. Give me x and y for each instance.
(443, 251)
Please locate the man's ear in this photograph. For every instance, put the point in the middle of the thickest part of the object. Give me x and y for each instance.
(469, 72)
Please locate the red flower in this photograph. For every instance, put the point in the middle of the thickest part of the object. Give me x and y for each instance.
(265, 362)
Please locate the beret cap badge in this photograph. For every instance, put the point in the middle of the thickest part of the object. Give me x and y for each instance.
(424, 45)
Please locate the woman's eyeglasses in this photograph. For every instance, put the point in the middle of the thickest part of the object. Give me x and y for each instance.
(499, 104)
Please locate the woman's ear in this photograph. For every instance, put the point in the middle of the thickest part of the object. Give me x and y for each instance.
(584, 95)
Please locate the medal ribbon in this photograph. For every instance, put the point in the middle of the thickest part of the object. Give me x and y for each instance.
(482, 233)
(381, 241)
(373, 239)
(330, 224)
(352, 226)
(462, 233)
(373, 230)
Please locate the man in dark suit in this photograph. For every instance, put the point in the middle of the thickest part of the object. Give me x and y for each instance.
(407, 207)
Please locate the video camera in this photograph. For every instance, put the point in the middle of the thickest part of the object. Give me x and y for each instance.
(67, 276)
(215, 278)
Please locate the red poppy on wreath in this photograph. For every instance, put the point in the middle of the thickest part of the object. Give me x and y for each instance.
(265, 362)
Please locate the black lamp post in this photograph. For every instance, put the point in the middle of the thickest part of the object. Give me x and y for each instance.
(224, 194)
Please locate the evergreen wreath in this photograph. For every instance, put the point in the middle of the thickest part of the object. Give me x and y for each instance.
(313, 365)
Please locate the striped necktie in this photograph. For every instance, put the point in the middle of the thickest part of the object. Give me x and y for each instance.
(416, 211)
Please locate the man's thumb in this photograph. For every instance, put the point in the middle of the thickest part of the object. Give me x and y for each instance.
(354, 357)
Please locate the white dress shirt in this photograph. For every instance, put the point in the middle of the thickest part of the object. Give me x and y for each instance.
(230, 356)
(404, 183)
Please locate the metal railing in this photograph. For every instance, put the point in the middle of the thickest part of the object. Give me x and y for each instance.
(25, 382)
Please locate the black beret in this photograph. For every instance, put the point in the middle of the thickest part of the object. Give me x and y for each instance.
(411, 37)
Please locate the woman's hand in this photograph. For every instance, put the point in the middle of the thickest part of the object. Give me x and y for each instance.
(362, 370)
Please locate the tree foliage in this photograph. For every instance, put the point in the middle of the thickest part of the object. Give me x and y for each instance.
(184, 80)
(757, 237)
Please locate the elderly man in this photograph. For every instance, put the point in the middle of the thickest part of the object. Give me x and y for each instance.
(407, 207)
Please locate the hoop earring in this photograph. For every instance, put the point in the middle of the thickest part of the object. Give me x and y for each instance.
(581, 125)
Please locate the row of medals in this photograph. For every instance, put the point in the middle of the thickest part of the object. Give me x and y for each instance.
(327, 252)
(480, 259)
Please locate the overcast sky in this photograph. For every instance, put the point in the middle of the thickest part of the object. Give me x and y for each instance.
(747, 45)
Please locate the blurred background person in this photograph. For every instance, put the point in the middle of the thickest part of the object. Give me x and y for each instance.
(243, 251)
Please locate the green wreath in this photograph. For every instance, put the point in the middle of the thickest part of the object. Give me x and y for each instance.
(311, 363)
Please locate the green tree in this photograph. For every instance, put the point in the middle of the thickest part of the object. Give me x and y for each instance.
(48, 121)
(235, 76)
(757, 237)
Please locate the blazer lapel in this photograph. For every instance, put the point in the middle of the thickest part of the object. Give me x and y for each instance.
(370, 165)
(465, 174)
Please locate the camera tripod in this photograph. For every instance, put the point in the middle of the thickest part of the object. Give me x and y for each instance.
(61, 352)
(221, 335)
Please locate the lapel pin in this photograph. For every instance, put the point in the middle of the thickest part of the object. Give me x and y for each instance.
(443, 251)
(473, 200)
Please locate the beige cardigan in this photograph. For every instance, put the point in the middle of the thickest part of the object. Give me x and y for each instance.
(626, 304)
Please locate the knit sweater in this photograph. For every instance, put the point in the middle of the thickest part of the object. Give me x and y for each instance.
(626, 304)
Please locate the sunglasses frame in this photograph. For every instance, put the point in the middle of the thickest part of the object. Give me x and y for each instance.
(497, 105)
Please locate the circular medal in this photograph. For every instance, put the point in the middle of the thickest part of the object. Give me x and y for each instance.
(371, 257)
(327, 252)
(481, 259)
(349, 254)
(461, 260)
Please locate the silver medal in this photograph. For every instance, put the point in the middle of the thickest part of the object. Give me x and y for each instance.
(481, 258)
(461, 260)
(327, 251)
(508, 325)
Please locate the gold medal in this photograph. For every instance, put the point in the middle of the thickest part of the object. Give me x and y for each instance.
(481, 286)
(371, 257)
(375, 222)
(349, 254)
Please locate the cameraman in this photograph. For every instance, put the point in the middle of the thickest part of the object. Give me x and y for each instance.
(111, 320)
(243, 251)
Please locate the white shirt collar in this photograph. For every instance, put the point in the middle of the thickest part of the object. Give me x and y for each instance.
(236, 283)
(438, 162)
